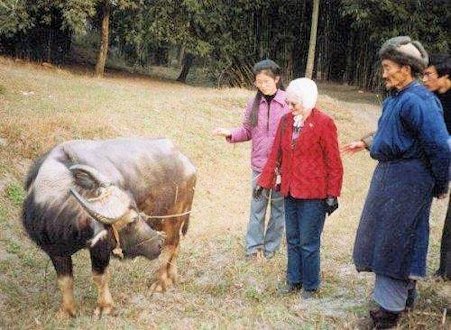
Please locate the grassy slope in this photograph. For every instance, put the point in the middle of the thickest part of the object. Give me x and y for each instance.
(40, 107)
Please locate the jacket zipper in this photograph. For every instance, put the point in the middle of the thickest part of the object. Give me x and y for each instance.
(267, 122)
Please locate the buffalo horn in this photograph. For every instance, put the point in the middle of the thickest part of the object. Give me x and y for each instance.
(88, 177)
(111, 205)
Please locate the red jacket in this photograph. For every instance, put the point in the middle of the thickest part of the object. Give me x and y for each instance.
(312, 169)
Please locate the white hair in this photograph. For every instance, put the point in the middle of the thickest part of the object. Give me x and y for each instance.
(303, 91)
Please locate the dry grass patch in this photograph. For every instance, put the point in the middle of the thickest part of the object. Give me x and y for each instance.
(218, 288)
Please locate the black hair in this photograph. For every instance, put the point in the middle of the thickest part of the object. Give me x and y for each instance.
(271, 69)
(442, 63)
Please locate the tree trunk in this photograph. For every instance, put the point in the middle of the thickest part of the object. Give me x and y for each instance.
(312, 43)
(181, 56)
(104, 38)
(187, 63)
(347, 77)
(49, 45)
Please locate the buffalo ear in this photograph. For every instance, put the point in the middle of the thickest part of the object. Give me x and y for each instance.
(88, 177)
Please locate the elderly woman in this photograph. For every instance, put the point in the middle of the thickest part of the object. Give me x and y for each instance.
(411, 146)
(305, 152)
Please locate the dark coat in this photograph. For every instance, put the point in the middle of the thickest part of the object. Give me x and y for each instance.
(392, 238)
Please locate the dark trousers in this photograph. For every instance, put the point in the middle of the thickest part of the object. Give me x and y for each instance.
(445, 247)
(304, 222)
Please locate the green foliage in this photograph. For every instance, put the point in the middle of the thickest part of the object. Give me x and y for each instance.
(21, 15)
(228, 37)
(423, 20)
(372, 22)
(76, 14)
(15, 194)
(14, 17)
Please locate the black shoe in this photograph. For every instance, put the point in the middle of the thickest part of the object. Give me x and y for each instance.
(289, 288)
(384, 319)
(439, 273)
(410, 301)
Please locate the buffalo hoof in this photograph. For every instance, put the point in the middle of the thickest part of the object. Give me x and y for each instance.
(162, 285)
(158, 287)
(104, 310)
(66, 313)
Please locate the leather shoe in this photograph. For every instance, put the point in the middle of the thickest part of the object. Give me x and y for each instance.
(411, 298)
(384, 319)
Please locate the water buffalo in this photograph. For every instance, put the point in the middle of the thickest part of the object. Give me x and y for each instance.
(126, 196)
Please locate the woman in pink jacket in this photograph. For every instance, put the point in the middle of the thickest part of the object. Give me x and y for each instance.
(261, 118)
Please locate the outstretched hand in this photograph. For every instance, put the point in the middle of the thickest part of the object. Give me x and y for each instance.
(221, 132)
(353, 147)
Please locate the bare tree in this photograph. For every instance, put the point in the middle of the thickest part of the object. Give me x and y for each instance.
(312, 44)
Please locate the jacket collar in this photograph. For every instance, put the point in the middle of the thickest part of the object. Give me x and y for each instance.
(311, 117)
(279, 98)
(407, 87)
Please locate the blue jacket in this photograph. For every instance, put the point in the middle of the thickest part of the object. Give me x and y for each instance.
(412, 127)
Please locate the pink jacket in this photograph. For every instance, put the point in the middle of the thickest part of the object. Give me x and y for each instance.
(263, 134)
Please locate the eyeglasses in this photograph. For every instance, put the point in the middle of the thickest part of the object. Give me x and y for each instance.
(429, 74)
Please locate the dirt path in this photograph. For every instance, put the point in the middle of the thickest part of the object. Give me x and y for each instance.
(368, 113)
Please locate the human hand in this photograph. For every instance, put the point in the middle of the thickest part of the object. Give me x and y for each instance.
(257, 193)
(353, 147)
(331, 204)
(221, 132)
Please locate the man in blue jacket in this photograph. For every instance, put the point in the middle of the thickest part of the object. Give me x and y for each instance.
(413, 156)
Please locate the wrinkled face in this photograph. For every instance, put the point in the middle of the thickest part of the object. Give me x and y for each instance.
(138, 239)
(297, 108)
(431, 79)
(395, 76)
(266, 84)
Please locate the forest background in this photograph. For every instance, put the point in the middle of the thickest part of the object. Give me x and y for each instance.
(222, 38)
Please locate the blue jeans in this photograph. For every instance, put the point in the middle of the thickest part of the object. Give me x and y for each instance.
(256, 237)
(304, 221)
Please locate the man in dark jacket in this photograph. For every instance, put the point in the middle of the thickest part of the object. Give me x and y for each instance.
(437, 78)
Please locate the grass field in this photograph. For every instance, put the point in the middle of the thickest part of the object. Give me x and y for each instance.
(40, 107)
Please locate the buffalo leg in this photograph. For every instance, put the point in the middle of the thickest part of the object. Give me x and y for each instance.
(172, 268)
(65, 279)
(100, 258)
(167, 273)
